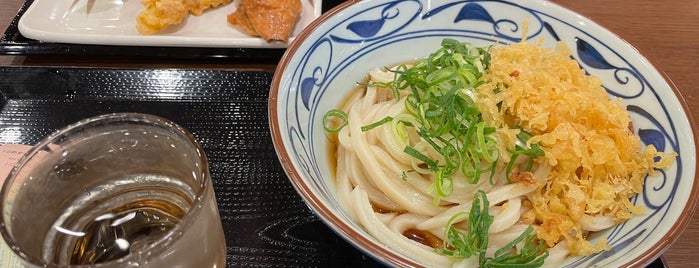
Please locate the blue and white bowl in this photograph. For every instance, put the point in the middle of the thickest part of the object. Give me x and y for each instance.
(337, 50)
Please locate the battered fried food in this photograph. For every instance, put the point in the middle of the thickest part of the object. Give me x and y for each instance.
(160, 14)
(197, 7)
(269, 19)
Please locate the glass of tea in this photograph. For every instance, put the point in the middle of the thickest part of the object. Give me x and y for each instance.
(117, 190)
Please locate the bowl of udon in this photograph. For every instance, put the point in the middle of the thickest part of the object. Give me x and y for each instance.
(483, 134)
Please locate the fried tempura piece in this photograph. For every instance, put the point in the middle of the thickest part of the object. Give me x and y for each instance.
(197, 7)
(160, 14)
(269, 19)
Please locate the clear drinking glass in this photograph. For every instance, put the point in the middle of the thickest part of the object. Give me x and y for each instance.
(116, 190)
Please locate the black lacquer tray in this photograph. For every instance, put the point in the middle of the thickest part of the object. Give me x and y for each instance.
(265, 221)
(13, 43)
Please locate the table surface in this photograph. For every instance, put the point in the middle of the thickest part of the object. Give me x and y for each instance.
(666, 32)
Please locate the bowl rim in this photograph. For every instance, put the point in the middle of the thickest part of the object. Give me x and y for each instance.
(687, 214)
(386, 256)
(316, 205)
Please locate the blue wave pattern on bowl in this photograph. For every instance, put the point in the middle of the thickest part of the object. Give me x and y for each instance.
(377, 25)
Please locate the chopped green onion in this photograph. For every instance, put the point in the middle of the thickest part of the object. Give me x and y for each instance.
(532, 254)
(404, 175)
(533, 151)
(489, 153)
(328, 121)
(417, 154)
(443, 185)
(474, 242)
(377, 123)
(445, 111)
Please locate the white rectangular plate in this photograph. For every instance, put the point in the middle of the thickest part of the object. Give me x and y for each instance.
(113, 22)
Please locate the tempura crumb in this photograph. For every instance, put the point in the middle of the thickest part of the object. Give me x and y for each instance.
(598, 162)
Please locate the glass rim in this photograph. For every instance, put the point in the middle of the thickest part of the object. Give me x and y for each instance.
(174, 234)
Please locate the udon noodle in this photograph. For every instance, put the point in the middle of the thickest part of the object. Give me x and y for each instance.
(525, 89)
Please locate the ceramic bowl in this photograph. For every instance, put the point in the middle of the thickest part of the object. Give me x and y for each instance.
(336, 51)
